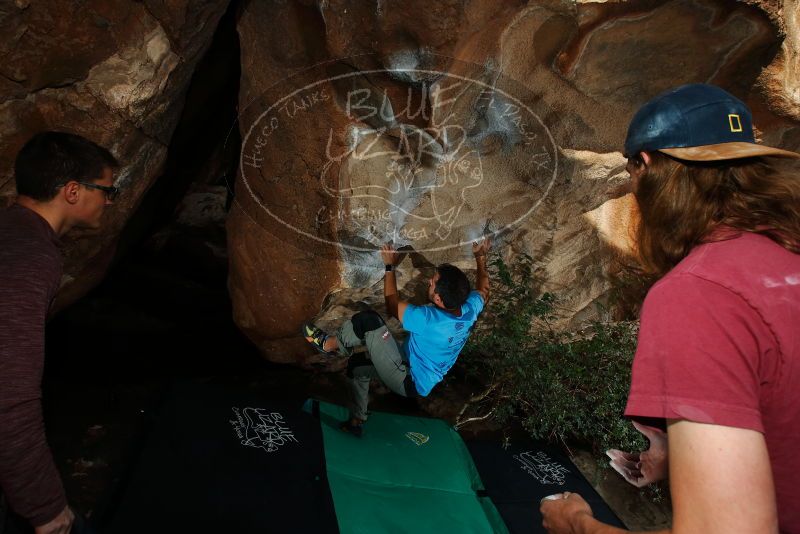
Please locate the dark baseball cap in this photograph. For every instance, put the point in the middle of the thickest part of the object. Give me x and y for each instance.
(697, 122)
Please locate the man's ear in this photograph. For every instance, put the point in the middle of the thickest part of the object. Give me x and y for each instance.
(438, 300)
(71, 192)
(646, 158)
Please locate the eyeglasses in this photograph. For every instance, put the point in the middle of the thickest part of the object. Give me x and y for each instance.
(110, 191)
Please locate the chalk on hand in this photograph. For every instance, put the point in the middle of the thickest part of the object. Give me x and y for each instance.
(553, 497)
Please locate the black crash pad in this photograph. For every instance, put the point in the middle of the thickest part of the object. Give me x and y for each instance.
(224, 461)
(517, 476)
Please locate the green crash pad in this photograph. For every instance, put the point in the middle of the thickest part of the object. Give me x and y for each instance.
(405, 474)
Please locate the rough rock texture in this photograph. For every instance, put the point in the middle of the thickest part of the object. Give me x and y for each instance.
(113, 71)
(781, 79)
(433, 124)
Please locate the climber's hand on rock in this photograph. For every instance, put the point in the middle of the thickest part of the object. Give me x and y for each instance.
(389, 255)
(646, 467)
(481, 248)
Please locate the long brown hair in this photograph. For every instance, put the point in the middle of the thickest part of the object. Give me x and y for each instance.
(683, 202)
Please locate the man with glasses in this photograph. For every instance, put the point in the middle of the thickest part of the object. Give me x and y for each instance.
(110, 190)
(63, 181)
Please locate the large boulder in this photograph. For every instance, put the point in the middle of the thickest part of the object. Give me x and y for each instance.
(113, 71)
(781, 80)
(434, 124)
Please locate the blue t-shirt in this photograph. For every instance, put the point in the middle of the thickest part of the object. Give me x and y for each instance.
(435, 339)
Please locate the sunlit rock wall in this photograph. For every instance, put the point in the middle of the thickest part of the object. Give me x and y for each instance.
(433, 124)
(113, 71)
(781, 80)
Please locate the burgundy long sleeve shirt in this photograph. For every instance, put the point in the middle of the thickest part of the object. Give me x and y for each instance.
(30, 274)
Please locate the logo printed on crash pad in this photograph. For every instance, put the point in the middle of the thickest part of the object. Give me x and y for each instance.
(541, 467)
(417, 438)
(256, 427)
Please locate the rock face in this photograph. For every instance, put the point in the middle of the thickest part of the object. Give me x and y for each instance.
(782, 78)
(113, 71)
(432, 124)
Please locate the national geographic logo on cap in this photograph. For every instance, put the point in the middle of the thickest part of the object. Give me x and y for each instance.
(735, 122)
(431, 153)
(687, 123)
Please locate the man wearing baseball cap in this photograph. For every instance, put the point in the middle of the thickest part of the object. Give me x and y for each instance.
(718, 358)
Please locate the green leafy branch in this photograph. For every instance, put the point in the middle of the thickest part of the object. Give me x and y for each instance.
(566, 387)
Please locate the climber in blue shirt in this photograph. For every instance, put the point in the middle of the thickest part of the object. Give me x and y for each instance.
(437, 333)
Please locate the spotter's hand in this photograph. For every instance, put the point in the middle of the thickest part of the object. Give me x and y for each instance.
(560, 511)
(60, 524)
(646, 467)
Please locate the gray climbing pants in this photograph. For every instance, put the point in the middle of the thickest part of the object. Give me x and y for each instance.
(383, 359)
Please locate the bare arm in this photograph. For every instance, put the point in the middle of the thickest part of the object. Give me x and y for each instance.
(394, 306)
(481, 250)
(720, 480)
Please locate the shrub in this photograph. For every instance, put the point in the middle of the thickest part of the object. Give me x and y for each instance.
(567, 387)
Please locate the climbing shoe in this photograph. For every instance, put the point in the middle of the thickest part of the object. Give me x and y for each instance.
(316, 337)
(352, 427)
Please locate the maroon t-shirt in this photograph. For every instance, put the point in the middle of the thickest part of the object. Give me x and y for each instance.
(30, 274)
(720, 344)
